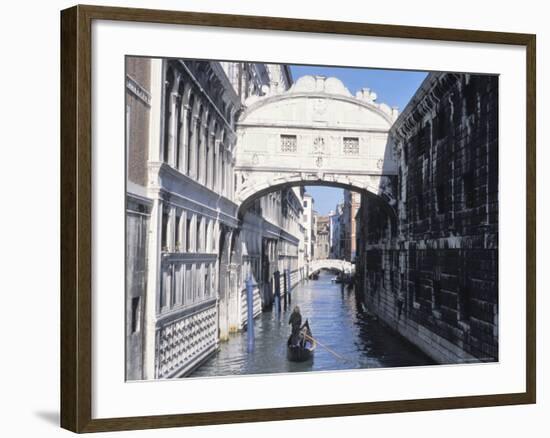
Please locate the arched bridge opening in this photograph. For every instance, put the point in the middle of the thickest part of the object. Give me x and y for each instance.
(383, 199)
(342, 266)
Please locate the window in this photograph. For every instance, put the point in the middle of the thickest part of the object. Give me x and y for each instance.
(179, 132)
(166, 287)
(170, 79)
(207, 153)
(351, 145)
(200, 146)
(464, 300)
(470, 94)
(189, 132)
(181, 283)
(164, 230)
(136, 314)
(188, 235)
(214, 159)
(222, 154)
(288, 143)
(188, 283)
(468, 190)
(178, 232)
(437, 287)
(441, 198)
(176, 285)
(198, 236)
(420, 205)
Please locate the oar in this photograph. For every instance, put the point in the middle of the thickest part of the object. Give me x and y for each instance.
(326, 348)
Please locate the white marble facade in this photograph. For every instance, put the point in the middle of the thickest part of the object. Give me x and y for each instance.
(316, 132)
(199, 250)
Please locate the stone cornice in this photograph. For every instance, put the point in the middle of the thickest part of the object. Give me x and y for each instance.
(198, 85)
(230, 91)
(310, 127)
(424, 101)
(213, 205)
(315, 95)
(327, 171)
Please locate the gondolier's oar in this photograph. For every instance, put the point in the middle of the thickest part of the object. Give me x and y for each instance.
(311, 338)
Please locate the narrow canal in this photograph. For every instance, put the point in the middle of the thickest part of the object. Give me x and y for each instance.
(336, 319)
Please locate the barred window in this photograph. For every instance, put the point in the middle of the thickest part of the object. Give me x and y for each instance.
(351, 145)
(288, 143)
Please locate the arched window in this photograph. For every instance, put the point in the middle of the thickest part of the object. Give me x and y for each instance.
(222, 163)
(214, 157)
(198, 234)
(189, 122)
(168, 85)
(208, 233)
(200, 145)
(208, 158)
(180, 127)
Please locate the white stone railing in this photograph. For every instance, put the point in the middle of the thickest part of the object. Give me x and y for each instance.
(184, 341)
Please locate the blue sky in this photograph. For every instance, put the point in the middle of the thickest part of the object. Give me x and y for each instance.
(393, 87)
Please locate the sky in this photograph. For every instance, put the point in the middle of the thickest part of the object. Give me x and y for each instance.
(393, 87)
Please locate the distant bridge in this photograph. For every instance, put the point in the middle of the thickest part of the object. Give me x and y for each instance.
(341, 265)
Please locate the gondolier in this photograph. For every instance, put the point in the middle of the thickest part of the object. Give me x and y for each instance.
(295, 321)
(300, 344)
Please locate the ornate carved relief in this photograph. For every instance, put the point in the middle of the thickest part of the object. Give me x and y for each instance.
(320, 106)
(319, 145)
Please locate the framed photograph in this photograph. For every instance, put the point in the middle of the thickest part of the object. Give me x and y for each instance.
(341, 214)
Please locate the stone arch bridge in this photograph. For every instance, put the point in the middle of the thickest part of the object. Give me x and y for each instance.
(316, 133)
(335, 264)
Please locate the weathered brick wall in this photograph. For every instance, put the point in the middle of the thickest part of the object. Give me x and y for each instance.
(436, 279)
(138, 121)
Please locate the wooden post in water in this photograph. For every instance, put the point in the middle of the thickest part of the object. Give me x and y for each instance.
(250, 312)
(289, 286)
(285, 285)
(277, 280)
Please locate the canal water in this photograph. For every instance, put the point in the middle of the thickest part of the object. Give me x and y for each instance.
(337, 319)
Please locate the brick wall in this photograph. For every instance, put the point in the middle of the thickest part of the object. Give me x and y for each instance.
(138, 120)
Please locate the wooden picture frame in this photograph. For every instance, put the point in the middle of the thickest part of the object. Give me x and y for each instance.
(76, 217)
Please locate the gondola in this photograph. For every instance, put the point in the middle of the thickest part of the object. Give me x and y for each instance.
(303, 351)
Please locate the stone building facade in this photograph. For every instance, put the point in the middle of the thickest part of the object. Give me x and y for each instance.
(190, 249)
(322, 244)
(336, 222)
(308, 221)
(348, 225)
(275, 221)
(429, 266)
(138, 208)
